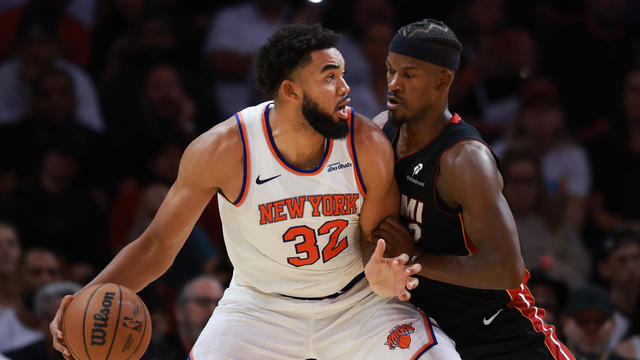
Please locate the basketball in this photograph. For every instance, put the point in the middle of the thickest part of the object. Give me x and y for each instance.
(106, 322)
(404, 341)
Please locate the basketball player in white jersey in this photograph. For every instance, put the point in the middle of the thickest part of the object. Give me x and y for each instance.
(300, 181)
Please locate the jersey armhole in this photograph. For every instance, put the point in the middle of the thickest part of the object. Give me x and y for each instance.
(352, 153)
(246, 161)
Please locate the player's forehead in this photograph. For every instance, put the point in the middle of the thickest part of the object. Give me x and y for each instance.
(400, 62)
(325, 60)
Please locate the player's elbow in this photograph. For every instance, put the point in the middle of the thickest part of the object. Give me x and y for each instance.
(514, 272)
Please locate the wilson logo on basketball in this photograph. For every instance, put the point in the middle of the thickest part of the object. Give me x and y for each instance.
(400, 337)
(101, 320)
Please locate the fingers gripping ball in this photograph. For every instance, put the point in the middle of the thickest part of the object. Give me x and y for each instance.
(106, 322)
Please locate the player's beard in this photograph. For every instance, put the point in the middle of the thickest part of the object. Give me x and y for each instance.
(323, 122)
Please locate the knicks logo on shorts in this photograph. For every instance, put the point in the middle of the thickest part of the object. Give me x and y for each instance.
(400, 337)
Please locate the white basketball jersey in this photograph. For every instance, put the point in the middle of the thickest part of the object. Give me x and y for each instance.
(291, 231)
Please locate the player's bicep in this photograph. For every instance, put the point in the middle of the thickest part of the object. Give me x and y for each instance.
(375, 156)
(471, 178)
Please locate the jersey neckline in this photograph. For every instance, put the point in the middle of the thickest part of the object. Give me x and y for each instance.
(276, 153)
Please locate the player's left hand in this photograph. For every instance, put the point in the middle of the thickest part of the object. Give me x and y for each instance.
(391, 276)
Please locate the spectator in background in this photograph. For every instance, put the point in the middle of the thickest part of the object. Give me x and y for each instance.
(196, 302)
(548, 243)
(115, 19)
(37, 49)
(10, 252)
(589, 324)
(487, 88)
(566, 167)
(197, 256)
(51, 122)
(614, 203)
(74, 35)
(46, 301)
(65, 219)
(229, 54)
(19, 325)
(151, 40)
(601, 40)
(619, 267)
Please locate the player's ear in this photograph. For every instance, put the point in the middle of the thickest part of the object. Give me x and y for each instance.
(290, 91)
(444, 80)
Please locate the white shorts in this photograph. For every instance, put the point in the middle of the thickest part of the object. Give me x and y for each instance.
(358, 324)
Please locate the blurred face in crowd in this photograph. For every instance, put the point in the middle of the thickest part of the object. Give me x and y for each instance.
(58, 171)
(547, 299)
(163, 92)
(55, 100)
(39, 267)
(485, 15)
(622, 267)
(544, 121)
(9, 250)
(631, 97)
(522, 186)
(155, 34)
(374, 42)
(37, 51)
(201, 299)
(588, 332)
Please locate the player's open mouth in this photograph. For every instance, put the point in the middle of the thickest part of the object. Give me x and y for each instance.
(343, 113)
(393, 102)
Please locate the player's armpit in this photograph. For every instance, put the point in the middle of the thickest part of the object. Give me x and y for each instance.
(469, 179)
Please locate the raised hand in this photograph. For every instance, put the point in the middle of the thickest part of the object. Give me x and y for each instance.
(56, 328)
(391, 276)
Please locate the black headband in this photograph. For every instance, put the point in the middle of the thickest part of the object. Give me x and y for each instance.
(422, 50)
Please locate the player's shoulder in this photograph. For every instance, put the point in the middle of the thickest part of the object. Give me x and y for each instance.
(367, 133)
(220, 143)
(468, 153)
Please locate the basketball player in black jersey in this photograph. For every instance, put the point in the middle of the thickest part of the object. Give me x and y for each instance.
(473, 281)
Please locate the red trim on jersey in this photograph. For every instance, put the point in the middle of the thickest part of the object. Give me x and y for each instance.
(283, 163)
(191, 355)
(247, 169)
(351, 147)
(471, 247)
(523, 301)
(432, 338)
(455, 119)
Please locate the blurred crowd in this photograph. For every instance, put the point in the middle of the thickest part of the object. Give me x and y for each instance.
(99, 98)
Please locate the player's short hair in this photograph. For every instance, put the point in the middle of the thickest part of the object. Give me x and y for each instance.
(432, 31)
(286, 50)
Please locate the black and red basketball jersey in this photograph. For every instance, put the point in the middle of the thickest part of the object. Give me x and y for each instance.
(485, 324)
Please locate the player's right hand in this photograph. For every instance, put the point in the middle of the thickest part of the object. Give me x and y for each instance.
(56, 328)
(391, 276)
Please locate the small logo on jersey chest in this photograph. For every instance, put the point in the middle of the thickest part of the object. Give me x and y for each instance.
(338, 166)
(262, 181)
(417, 169)
(400, 337)
(412, 178)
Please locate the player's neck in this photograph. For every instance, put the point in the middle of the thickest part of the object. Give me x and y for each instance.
(296, 140)
(420, 132)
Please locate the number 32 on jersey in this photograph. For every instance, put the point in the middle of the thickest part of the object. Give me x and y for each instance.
(308, 249)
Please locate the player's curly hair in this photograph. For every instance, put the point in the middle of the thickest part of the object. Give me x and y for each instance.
(433, 31)
(286, 50)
